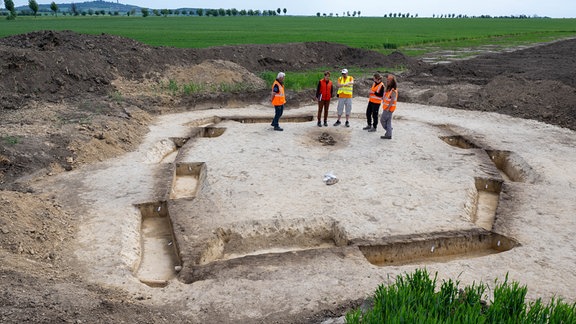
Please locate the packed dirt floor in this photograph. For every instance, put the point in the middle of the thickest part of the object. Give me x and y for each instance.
(125, 198)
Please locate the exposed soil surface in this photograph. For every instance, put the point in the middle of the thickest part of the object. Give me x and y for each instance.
(69, 100)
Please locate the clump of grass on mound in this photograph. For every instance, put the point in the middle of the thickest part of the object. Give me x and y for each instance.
(413, 299)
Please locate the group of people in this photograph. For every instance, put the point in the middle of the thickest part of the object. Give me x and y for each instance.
(385, 95)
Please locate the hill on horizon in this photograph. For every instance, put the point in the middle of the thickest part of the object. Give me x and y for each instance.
(97, 5)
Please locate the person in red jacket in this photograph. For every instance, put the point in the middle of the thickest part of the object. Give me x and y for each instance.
(324, 92)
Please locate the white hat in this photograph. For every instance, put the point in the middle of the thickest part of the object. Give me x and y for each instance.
(344, 71)
(280, 75)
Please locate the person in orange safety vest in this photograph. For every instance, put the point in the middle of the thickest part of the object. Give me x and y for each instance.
(389, 105)
(278, 100)
(374, 102)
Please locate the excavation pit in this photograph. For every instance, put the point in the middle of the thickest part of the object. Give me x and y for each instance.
(257, 120)
(179, 141)
(459, 141)
(203, 122)
(488, 196)
(159, 251)
(265, 237)
(438, 250)
(211, 131)
(511, 166)
(187, 180)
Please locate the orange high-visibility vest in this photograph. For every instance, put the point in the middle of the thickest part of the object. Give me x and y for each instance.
(279, 99)
(375, 89)
(388, 98)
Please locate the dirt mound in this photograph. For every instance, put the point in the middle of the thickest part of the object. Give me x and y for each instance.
(54, 66)
(534, 83)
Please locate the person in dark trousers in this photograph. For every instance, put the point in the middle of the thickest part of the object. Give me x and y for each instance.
(278, 100)
(389, 105)
(374, 102)
(324, 92)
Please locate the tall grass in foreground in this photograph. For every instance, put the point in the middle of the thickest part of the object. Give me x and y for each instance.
(413, 299)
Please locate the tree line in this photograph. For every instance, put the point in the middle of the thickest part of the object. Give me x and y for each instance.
(144, 12)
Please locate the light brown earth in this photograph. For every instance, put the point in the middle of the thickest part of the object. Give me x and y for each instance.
(96, 151)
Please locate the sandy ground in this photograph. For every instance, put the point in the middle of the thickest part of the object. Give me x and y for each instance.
(256, 236)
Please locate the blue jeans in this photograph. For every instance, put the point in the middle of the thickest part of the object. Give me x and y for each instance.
(279, 111)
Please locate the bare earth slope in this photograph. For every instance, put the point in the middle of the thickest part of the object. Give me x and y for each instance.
(68, 100)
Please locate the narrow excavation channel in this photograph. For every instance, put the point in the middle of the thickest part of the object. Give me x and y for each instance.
(159, 259)
(440, 249)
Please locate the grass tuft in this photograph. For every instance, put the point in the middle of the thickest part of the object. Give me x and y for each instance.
(413, 298)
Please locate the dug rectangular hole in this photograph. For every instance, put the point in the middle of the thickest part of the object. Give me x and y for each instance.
(159, 261)
(488, 196)
(459, 141)
(187, 180)
(441, 249)
(512, 167)
(285, 119)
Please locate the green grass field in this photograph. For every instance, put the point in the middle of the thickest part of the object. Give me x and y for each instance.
(412, 36)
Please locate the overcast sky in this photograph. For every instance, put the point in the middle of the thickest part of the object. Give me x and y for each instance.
(424, 8)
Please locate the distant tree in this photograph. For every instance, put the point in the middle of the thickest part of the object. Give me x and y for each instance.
(9, 5)
(74, 9)
(278, 10)
(284, 11)
(54, 8)
(221, 12)
(234, 12)
(358, 13)
(243, 12)
(317, 14)
(200, 12)
(145, 12)
(33, 6)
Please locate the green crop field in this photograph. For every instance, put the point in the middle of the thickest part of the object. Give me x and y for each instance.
(409, 35)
